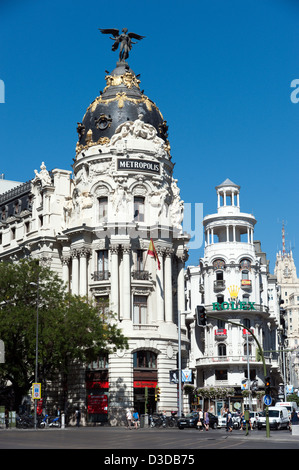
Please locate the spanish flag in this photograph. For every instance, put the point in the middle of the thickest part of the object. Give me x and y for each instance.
(152, 252)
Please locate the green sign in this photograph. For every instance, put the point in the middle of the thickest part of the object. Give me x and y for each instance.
(233, 306)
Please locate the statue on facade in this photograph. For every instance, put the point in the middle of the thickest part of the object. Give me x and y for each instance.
(43, 176)
(123, 40)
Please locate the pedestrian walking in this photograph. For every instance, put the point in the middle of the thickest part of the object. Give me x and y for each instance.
(136, 419)
(206, 421)
(229, 421)
(200, 420)
(129, 418)
(78, 417)
(6, 418)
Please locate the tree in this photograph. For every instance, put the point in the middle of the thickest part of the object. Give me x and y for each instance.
(70, 328)
(293, 397)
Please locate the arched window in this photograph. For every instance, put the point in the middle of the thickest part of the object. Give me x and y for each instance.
(221, 349)
(103, 209)
(138, 209)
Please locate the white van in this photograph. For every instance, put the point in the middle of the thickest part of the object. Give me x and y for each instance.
(289, 405)
(278, 418)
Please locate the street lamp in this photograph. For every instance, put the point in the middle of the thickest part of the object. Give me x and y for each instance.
(180, 362)
(36, 347)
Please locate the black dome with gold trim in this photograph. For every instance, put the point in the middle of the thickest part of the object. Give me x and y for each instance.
(121, 101)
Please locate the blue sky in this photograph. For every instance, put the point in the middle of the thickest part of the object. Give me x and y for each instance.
(219, 70)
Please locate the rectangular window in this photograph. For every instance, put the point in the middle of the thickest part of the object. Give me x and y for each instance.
(221, 374)
(139, 260)
(138, 209)
(102, 267)
(27, 227)
(103, 305)
(103, 208)
(144, 360)
(140, 309)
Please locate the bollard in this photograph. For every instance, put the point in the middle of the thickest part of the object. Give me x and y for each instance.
(62, 421)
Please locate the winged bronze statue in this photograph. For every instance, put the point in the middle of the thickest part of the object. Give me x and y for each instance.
(123, 40)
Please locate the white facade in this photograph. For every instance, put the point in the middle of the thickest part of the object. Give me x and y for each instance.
(288, 282)
(93, 227)
(232, 282)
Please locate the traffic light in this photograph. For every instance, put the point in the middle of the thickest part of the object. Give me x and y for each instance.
(157, 394)
(267, 386)
(201, 315)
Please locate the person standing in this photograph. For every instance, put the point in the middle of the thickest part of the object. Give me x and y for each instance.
(129, 418)
(78, 416)
(6, 418)
(206, 421)
(200, 420)
(229, 421)
(135, 419)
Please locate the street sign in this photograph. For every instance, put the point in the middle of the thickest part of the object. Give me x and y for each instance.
(186, 375)
(174, 376)
(245, 384)
(36, 391)
(267, 400)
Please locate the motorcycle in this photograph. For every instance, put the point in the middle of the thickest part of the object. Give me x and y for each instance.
(157, 421)
(24, 421)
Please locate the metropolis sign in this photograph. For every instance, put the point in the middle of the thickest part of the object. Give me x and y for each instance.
(138, 165)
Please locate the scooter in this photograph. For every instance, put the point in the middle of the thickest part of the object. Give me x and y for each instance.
(55, 423)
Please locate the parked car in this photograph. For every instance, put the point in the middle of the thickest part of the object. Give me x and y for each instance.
(191, 419)
(236, 418)
(278, 418)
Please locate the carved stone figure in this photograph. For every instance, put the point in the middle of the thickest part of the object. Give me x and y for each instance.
(123, 40)
(137, 129)
(177, 206)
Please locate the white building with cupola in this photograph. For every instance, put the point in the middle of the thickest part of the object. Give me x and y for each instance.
(232, 282)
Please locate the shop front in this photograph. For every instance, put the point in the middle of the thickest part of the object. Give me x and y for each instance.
(145, 381)
(97, 394)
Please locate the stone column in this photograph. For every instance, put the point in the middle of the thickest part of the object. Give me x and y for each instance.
(83, 254)
(65, 259)
(182, 257)
(126, 298)
(75, 272)
(114, 299)
(168, 286)
(160, 292)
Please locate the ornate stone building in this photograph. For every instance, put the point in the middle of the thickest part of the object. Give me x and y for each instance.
(93, 226)
(288, 283)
